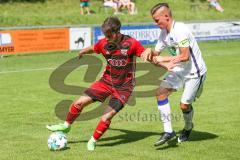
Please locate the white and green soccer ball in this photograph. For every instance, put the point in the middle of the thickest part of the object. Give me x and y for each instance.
(57, 141)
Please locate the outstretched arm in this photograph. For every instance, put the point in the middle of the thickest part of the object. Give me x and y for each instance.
(87, 50)
(182, 57)
(169, 62)
(166, 65)
(148, 55)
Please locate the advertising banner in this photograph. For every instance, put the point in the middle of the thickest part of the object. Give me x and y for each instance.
(202, 31)
(145, 34)
(34, 40)
(79, 38)
(215, 30)
(64, 39)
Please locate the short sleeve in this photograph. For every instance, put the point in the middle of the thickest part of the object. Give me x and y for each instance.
(97, 48)
(160, 45)
(138, 48)
(183, 36)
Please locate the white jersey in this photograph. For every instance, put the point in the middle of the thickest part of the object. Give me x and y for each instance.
(180, 36)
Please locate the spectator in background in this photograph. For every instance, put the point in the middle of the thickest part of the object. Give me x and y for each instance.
(84, 4)
(216, 5)
(113, 4)
(127, 4)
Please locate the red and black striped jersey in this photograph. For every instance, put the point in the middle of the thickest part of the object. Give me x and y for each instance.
(121, 60)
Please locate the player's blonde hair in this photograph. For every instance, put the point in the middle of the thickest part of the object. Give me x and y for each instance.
(164, 6)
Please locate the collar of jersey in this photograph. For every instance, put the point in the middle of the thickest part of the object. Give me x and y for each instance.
(173, 24)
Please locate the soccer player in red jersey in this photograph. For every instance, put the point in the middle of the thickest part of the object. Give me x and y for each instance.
(118, 79)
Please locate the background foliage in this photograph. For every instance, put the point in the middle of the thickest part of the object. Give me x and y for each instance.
(67, 12)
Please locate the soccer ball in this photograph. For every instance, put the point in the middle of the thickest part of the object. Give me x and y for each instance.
(57, 141)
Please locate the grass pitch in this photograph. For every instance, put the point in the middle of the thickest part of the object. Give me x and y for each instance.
(67, 12)
(28, 104)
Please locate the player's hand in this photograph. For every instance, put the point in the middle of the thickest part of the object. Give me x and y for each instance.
(157, 59)
(176, 60)
(147, 55)
(170, 65)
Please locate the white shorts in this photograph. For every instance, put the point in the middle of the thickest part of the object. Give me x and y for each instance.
(110, 4)
(214, 4)
(192, 87)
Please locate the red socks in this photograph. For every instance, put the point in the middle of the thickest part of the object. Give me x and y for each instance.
(73, 114)
(101, 128)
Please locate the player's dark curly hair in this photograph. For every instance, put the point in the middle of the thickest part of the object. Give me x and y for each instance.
(111, 25)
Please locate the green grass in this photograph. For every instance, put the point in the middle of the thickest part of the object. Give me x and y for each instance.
(67, 12)
(28, 102)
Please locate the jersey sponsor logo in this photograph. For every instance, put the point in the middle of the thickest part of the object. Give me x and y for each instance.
(172, 51)
(117, 62)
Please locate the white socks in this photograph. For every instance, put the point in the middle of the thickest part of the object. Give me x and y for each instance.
(66, 124)
(92, 139)
(165, 112)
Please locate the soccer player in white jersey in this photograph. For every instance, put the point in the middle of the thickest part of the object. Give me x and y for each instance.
(186, 69)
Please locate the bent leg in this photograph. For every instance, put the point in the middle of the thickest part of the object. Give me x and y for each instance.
(76, 108)
(188, 112)
(81, 10)
(165, 112)
(115, 105)
(192, 90)
(104, 123)
(102, 126)
(164, 108)
(74, 112)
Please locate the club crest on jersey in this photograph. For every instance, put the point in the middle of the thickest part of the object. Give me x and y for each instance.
(124, 52)
(124, 47)
(172, 42)
(122, 97)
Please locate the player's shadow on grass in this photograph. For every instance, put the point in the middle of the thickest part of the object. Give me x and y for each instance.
(128, 136)
(195, 136)
(201, 136)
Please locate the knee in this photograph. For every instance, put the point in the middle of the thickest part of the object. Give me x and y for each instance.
(79, 103)
(82, 102)
(184, 107)
(161, 95)
(106, 118)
